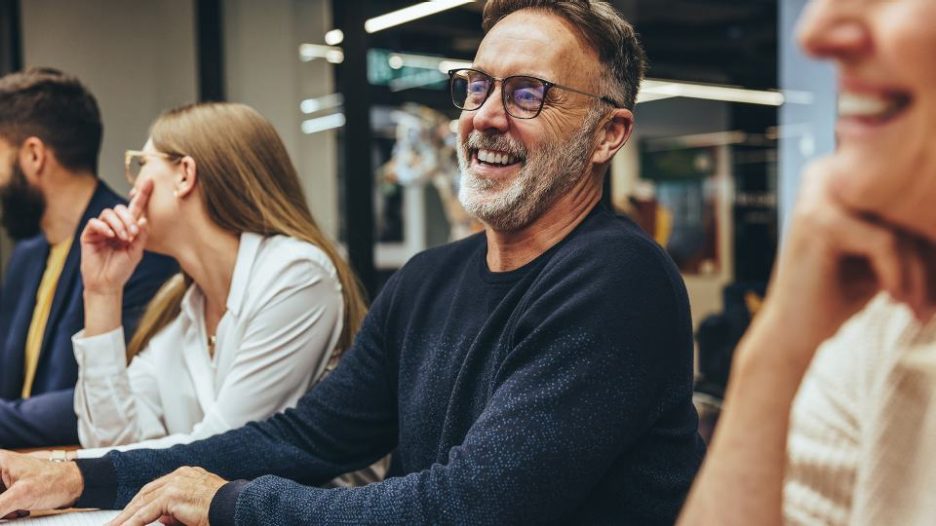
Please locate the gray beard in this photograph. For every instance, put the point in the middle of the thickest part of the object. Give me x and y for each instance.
(547, 174)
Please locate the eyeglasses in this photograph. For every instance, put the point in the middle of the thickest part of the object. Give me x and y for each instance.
(523, 96)
(135, 159)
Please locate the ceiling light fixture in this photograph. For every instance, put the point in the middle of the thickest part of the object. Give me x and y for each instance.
(408, 14)
(310, 52)
(665, 89)
(321, 124)
(334, 37)
(326, 102)
(650, 90)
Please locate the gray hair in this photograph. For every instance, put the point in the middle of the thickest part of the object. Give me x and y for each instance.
(603, 27)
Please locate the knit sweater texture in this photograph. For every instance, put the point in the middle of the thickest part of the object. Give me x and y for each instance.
(862, 441)
(559, 392)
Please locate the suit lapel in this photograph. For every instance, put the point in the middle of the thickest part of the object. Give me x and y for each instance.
(13, 357)
(101, 199)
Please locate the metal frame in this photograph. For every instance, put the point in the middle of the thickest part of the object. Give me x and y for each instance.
(209, 41)
(357, 184)
(11, 59)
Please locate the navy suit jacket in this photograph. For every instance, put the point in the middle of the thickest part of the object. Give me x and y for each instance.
(48, 418)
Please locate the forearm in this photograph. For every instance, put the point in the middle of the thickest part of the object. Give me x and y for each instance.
(741, 481)
(103, 311)
(439, 495)
(115, 404)
(41, 421)
(249, 452)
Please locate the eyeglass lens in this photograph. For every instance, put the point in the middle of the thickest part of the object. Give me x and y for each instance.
(523, 95)
(134, 165)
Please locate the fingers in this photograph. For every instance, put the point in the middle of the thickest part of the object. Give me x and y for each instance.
(915, 273)
(879, 246)
(116, 224)
(97, 230)
(143, 498)
(147, 514)
(139, 198)
(897, 260)
(13, 500)
(128, 219)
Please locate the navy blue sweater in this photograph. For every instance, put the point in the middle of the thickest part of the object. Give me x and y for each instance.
(556, 393)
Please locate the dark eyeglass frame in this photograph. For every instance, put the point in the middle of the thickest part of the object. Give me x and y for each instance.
(547, 85)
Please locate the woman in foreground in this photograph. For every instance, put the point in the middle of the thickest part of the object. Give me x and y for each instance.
(830, 416)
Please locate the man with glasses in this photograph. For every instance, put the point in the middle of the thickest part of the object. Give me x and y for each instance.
(50, 135)
(538, 372)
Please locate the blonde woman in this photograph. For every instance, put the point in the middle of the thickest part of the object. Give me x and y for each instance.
(262, 304)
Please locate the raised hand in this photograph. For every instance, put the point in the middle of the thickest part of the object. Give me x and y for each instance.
(112, 244)
(834, 260)
(32, 484)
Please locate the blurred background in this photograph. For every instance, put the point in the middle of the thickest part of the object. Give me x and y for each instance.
(357, 90)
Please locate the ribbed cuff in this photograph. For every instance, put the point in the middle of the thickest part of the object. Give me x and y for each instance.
(224, 503)
(100, 483)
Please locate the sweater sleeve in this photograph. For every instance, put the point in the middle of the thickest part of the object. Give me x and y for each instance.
(347, 422)
(533, 452)
(584, 378)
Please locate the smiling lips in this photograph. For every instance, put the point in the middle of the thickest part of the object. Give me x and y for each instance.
(872, 107)
(495, 158)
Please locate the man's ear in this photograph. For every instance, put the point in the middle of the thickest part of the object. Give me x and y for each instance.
(186, 178)
(613, 135)
(34, 159)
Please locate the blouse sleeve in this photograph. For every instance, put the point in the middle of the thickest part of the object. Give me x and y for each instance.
(286, 344)
(115, 404)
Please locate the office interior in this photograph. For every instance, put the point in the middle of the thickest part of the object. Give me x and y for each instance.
(728, 115)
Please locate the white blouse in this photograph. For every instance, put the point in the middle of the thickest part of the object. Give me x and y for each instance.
(283, 320)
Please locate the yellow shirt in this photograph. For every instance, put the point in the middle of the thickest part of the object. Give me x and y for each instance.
(40, 317)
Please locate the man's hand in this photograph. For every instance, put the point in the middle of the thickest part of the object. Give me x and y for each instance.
(32, 484)
(181, 497)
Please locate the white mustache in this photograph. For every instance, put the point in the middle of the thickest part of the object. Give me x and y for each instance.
(500, 143)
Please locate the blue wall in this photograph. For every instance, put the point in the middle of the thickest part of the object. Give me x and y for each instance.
(807, 129)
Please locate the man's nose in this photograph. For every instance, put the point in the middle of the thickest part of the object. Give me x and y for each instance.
(492, 116)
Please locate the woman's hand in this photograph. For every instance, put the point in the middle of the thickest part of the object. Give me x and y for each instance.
(32, 484)
(834, 260)
(112, 244)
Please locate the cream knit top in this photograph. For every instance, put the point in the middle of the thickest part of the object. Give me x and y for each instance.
(862, 442)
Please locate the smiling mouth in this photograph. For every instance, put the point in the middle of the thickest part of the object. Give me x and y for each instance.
(495, 158)
(873, 108)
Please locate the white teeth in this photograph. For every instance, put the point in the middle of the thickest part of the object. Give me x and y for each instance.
(490, 157)
(855, 105)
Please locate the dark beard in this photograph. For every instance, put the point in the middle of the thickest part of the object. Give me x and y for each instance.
(21, 206)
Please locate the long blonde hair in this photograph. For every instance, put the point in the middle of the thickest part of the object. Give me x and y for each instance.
(249, 185)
